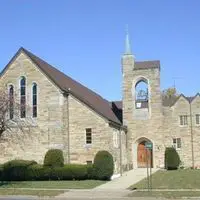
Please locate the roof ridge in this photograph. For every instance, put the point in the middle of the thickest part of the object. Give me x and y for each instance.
(138, 61)
(64, 82)
(30, 53)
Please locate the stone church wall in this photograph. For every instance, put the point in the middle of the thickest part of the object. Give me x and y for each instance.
(43, 132)
(82, 117)
(50, 128)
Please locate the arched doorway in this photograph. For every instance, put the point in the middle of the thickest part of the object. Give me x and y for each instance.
(144, 155)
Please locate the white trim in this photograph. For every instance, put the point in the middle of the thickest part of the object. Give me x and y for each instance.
(183, 125)
(175, 145)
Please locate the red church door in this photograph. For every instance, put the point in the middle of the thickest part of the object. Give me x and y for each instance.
(142, 155)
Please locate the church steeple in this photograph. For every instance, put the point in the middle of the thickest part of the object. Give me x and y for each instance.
(127, 43)
(128, 59)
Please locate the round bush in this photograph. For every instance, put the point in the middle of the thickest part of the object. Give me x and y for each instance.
(54, 158)
(103, 165)
(172, 159)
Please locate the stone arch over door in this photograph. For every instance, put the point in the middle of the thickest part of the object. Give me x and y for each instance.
(144, 155)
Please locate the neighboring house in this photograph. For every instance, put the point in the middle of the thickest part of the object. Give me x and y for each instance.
(66, 115)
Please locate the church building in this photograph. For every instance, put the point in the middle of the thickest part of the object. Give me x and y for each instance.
(56, 111)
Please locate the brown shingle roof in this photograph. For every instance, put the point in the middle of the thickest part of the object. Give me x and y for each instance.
(64, 82)
(118, 104)
(117, 109)
(147, 64)
(111, 111)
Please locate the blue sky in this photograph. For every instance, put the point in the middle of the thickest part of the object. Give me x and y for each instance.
(85, 39)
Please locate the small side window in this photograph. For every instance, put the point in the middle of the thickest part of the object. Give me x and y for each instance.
(197, 119)
(88, 136)
(183, 120)
(177, 143)
(89, 162)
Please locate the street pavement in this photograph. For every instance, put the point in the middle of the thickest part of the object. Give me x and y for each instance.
(83, 198)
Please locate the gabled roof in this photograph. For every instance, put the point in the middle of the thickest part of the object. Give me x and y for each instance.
(67, 84)
(190, 99)
(172, 101)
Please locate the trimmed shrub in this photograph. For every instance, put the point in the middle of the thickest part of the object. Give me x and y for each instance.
(172, 159)
(37, 172)
(30, 171)
(54, 158)
(90, 171)
(1, 172)
(15, 170)
(70, 172)
(103, 165)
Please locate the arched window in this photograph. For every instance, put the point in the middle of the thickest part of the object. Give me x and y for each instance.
(23, 97)
(141, 94)
(11, 101)
(34, 99)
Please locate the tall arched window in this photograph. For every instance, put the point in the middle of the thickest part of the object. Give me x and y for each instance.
(11, 101)
(23, 97)
(34, 99)
(141, 94)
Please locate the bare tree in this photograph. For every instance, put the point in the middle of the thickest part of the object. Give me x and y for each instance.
(11, 111)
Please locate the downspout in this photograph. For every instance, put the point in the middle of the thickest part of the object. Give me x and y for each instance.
(120, 152)
(191, 131)
(68, 132)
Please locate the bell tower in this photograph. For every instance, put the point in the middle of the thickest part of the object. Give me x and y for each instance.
(141, 99)
(140, 87)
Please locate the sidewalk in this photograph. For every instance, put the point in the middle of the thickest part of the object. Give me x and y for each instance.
(114, 189)
(127, 179)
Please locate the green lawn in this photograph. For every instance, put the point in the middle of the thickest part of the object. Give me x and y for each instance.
(176, 179)
(45, 188)
(39, 193)
(86, 184)
(166, 194)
